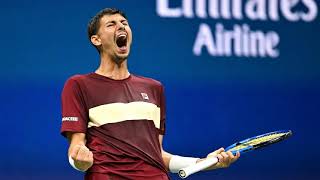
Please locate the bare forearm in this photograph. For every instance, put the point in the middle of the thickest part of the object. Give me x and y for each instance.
(178, 162)
(75, 139)
(166, 158)
(80, 157)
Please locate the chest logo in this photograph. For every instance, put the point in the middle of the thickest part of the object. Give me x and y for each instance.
(145, 96)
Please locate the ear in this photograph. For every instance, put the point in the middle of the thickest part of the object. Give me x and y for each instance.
(95, 40)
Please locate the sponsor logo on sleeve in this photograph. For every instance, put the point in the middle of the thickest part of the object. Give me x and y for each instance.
(70, 119)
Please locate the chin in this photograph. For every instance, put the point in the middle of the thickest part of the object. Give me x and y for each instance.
(120, 58)
(122, 55)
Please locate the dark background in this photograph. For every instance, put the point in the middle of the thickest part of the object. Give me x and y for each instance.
(211, 101)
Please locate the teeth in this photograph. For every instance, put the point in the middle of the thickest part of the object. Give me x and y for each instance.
(122, 35)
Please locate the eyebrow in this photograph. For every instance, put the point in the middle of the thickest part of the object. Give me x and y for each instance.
(113, 21)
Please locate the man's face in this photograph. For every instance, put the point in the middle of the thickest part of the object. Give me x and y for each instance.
(115, 37)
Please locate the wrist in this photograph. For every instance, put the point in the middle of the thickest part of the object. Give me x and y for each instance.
(72, 163)
(178, 162)
(200, 159)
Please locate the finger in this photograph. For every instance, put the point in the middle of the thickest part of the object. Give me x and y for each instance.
(74, 151)
(89, 157)
(225, 155)
(236, 157)
(220, 158)
(228, 159)
(82, 153)
(216, 152)
(220, 150)
(230, 154)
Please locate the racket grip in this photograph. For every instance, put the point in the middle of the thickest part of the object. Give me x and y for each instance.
(185, 172)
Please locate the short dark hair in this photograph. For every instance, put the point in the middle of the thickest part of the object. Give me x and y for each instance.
(94, 23)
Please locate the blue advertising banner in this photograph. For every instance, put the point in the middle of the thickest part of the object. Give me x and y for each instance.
(231, 69)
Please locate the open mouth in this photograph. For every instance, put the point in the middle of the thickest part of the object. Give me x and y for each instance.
(121, 41)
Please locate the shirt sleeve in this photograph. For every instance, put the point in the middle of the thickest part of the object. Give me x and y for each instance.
(162, 111)
(74, 112)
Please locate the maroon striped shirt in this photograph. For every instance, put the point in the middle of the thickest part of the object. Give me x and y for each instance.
(122, 120)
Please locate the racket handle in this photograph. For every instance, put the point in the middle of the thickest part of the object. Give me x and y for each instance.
(185, 172)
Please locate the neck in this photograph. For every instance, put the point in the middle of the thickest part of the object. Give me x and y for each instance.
(111, 69)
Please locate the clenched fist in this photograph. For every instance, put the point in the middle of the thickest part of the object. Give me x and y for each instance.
(82, 157)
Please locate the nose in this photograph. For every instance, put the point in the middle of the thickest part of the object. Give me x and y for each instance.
(121, 27)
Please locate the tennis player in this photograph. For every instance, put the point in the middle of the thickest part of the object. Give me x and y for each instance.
(114, 120)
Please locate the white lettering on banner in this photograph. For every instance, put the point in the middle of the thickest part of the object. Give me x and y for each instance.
(313, 10)
(200, 9)
(273, 10)
(238, 9)
(187, 8)
(256, 9)
(286, 7)
(240, 41)
(163, 9)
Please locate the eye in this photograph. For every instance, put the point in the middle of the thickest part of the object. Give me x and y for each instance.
(125, 23)
(110, 24)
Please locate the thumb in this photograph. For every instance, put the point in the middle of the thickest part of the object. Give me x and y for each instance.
(74, 150)
(216, 152)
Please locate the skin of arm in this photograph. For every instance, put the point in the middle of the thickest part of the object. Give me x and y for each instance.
(225, 158)
(165, 155)
(82, 156)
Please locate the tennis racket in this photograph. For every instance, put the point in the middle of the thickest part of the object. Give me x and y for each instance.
(242, 147)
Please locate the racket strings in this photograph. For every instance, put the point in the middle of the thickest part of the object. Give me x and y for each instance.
(263, 139)
(258, 140)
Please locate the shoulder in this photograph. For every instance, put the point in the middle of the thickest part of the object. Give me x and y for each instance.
(147, 80)
(77, 81)
(78, 78)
